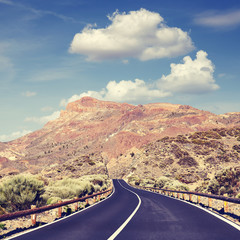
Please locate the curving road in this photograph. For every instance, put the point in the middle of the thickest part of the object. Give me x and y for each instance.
(136, 214)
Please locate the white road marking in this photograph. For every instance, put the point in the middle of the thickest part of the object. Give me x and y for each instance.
(115, 234)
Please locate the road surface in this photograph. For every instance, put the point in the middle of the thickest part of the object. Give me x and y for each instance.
(131, 214)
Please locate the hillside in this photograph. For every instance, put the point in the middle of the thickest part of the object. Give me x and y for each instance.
(93, 136)
(193, 159)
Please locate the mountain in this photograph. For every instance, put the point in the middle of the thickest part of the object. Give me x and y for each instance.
(93, 136)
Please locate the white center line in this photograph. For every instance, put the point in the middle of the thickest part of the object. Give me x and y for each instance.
(128, 219)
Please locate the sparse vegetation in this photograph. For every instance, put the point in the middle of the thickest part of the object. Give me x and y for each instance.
(225, 182)
(20, 191)
(161, 182)
(68, 188)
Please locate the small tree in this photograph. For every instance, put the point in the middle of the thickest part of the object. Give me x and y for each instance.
(20, 192)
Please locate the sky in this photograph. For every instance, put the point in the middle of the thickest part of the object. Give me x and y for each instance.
(139, 52)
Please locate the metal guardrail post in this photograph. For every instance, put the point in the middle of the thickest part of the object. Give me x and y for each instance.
(198, 199)
(190, 197)
(33, 216)
(225, 206)
(76, 205)
(183, 196)
(210, 202)
(59, 212)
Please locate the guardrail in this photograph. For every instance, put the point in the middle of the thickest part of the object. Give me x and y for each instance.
(33, 211)
(188, 196)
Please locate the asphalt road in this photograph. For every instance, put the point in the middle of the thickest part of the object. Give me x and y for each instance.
(164, 218)
(97, 222)
(158, 217)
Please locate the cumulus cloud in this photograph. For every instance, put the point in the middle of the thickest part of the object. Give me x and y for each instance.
(44, 119)
(139, 34)
(29, 94)
(191, 76)
(14, 135)
(217, 19)
(129, 91)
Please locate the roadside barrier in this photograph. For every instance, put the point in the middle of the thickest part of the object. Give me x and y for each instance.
(33, 211)
(189, 196)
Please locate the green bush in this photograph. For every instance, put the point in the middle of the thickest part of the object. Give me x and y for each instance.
(2, 226)
(69, 188)
(53, 200)
(20, 192)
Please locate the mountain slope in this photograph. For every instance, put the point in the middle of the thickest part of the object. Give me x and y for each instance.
(102, 132)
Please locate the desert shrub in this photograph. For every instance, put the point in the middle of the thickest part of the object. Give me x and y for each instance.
(169, 183)
(53, 200)
(161, 182)
(187, 178)
(68, 188)
(212, 134)
(176, 185)
(176, 150)
(236, 148)
(226, 181)
(147, 182)
(187, 162)
(20, 192)
(210, 160)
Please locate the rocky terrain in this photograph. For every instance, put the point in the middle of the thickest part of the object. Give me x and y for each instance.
(93, 136)
(194, 159)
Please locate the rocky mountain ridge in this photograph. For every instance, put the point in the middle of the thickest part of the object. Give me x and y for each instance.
(94, 135)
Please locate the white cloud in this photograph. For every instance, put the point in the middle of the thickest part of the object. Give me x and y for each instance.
(216, 19)
(14, 135)
(29, 94)
(139, 34)
(191, 76)
(44, 119)
(123, 91)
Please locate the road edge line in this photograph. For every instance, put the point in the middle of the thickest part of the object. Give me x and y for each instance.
(117, 232)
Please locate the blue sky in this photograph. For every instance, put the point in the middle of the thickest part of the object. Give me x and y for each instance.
(54, 52)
